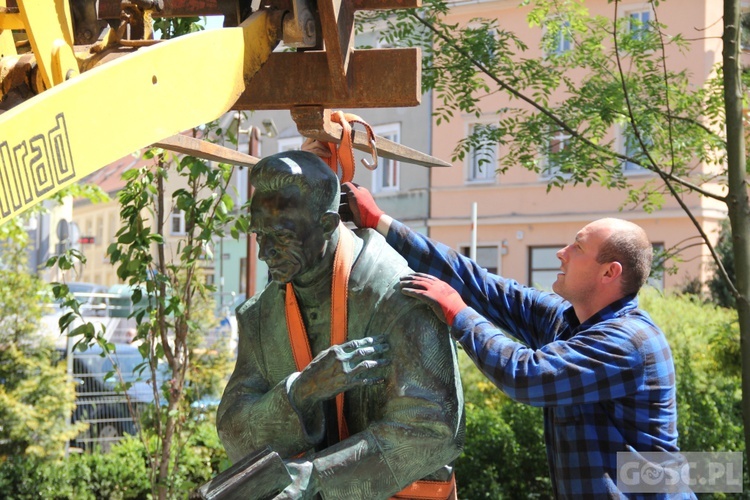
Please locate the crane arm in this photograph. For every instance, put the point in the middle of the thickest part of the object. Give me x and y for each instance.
(55, 139)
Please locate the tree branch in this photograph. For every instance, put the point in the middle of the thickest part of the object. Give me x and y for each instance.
(554, 118)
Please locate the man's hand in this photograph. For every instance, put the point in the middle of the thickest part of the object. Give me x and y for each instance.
(444, 300)
(338, 369)
(359, 206)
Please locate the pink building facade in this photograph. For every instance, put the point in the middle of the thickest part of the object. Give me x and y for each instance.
(520, 224)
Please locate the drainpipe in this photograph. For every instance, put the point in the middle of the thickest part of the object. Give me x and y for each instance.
(473, 248)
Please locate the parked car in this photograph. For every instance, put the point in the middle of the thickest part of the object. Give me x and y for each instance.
(93, 299)
(98, 402)
(121, 302)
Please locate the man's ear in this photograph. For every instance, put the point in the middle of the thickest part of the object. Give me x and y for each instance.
(612, 272)
(330, 221)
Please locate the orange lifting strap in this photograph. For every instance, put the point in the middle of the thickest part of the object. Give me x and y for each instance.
(342, 265)
(344, 153)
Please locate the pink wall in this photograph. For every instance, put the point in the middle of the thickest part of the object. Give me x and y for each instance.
(517, 204)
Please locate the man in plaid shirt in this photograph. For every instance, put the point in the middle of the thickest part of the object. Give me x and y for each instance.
(598, 365)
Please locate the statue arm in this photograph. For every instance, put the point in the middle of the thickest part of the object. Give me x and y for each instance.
(253, 413)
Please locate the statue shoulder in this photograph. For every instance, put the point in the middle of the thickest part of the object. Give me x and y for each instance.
(252, 306)
(378, 253)
(377, 271)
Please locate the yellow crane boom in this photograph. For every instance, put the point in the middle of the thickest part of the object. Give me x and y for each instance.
(97, 103)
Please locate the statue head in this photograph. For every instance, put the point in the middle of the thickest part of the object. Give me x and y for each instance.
(293, 212)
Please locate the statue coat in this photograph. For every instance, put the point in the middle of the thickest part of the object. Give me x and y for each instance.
(407, 428)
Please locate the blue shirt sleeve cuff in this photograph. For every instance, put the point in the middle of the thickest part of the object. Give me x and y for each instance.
(395, 231)
(463, 322)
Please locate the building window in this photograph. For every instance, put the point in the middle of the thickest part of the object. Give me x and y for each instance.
(560, 38)
(745, 31)
(543, 266)
(486, 257)
(89, 227)
(113, 219)
(99, 239)
(482, 159)
(243, 276)
(290, 143)
(241, 186)
(178, 222)
(386, 176)
(553, 163)
(656, 279)
(632, 149)
(638, 23)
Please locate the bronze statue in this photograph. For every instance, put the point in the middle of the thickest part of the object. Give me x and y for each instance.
(394, 367)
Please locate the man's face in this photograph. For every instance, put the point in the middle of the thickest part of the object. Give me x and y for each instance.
(290, 237)
(580, 273)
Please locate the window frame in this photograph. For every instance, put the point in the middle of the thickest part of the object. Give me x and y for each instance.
(561, 40)
(624, 140)
(471, 162)
(177, 214)
(549, 170)
(657, 282)
(530, 262)
(392, 132)
(638, 9)
(465, 250)
(241, 181)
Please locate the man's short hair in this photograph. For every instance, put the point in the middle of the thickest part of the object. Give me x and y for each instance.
(631, 248)
(317, 183)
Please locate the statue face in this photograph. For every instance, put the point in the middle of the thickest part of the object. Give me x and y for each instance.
(290, 235)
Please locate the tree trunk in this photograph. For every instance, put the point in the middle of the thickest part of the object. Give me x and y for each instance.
(738, 206)
(166, 448)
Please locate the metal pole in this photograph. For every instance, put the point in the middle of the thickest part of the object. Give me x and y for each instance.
(221, 273)
(69, 370)
(254, 150)
(473, 248)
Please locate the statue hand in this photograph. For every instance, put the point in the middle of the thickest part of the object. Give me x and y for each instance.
(445, 302)
(338, 369)
(304, 481)
(359, 206)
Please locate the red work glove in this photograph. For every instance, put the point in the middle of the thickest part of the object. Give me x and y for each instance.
(359, 206)
(439, 295)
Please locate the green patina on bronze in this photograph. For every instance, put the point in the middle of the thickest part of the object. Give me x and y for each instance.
(398, 369)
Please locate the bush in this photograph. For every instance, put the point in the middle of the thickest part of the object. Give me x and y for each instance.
(705, 345)
(32, 477)
(35, 397)
(121, 474)
(504, 454)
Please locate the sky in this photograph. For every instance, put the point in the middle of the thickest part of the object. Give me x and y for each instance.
(213, 22)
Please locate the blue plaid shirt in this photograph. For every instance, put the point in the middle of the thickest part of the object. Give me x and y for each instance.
(607, 385)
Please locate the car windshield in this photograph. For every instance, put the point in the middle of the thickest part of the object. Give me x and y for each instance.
(80, 288)
(130, 364)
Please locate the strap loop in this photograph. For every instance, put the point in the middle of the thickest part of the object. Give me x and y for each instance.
(343, 154)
